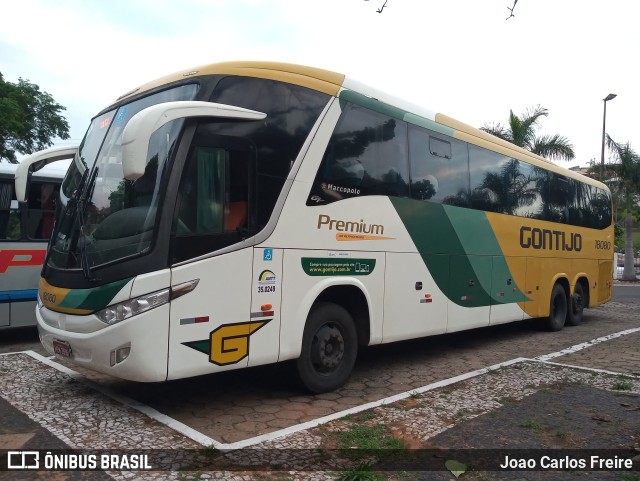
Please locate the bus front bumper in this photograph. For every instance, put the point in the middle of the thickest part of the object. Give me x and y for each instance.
(134, 349)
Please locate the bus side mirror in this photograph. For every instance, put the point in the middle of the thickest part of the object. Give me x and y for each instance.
(37, 161)
(138, 131)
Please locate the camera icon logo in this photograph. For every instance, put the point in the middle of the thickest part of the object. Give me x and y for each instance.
(23, 460)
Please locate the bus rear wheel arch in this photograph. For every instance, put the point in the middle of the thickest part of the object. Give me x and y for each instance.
(329, 348)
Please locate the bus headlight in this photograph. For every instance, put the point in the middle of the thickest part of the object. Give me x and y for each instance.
(132, 307)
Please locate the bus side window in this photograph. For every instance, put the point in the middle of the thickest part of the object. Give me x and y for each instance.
(9, 214)
(558, 193)
(439, 167)
(213, 201)
(367, 155)
(41, 214)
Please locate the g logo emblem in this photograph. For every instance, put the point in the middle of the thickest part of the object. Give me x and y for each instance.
(230, 342)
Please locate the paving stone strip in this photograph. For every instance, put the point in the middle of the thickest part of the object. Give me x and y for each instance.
(85, 419)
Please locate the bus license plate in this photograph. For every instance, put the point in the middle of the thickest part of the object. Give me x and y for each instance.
(62, 348)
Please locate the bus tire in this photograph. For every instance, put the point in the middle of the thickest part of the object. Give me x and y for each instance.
(557, 309)
(576, 306)
(329, 348)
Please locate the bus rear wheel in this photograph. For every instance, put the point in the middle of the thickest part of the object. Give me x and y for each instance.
(557, 309)
(576, 306)
(329, 348)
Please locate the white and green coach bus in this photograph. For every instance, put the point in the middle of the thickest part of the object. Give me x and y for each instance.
(247, 213)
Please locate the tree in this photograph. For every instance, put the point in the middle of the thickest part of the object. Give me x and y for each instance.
(29, 119)
(522, 132)
(625, 186)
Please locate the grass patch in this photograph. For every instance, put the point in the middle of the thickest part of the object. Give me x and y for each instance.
(364, 472)
(531, 424)
(369, 437)
(623, 385)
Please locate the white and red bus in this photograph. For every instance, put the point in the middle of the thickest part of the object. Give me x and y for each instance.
(25, 229)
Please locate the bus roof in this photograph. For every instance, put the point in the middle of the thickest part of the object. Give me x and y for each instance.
(333, 83)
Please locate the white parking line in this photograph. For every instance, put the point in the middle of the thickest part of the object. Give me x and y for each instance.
(590, 369)
(584, 345)
(207, 441)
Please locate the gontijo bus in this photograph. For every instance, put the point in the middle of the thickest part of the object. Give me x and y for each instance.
(246, 213)
(25, 229)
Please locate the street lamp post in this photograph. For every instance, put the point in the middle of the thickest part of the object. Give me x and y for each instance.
(604, 123)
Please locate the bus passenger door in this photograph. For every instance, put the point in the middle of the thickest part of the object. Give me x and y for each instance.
(266, 296)
(211, 327)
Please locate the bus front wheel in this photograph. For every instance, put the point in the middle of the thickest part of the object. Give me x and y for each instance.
(329, 348)
(557, 309)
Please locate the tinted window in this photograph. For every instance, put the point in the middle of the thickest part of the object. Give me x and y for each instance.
(41, 203)
(213, 207)
(291, 113)
(42, 208)
(9, 218)
(557, 196)
(367, 155)
(599, 213)
(439, 167)
(531, 184)
(502, 184)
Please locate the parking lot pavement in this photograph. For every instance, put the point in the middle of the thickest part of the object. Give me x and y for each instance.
(260, 406)
(621, 355)
(236, 406)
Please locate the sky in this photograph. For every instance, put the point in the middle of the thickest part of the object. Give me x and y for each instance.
(459, 57)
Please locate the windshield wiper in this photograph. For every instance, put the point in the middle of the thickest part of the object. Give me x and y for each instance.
(80, 211)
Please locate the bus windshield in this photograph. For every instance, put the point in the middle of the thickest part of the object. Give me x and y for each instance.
(104, 216)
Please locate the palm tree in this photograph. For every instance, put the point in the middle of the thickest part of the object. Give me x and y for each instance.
(522, 132)
(625, 186)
